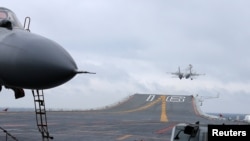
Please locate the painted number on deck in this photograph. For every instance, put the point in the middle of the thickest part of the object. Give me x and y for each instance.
(175, 98)
(150, 97)
(168, 99)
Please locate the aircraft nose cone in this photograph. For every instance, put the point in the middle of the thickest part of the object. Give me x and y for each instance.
(54, 60)
(41, 62)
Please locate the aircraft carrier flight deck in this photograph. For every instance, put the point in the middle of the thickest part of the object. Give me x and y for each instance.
(142, 117)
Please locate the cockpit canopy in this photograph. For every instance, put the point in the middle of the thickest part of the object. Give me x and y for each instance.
(8, 15)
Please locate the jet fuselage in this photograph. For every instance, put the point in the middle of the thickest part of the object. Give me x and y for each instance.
(31, 61)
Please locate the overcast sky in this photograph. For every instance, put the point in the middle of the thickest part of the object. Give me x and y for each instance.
(132, 44)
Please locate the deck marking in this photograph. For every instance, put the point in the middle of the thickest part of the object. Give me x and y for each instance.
(164, 130)
(150, 97)
(123, 137)
(150, 104)
(164, 117)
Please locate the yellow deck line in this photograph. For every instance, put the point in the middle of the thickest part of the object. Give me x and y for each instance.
(144, 107)
(164, 117)
(123, 137)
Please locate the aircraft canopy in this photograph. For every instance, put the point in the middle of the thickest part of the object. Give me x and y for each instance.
(6, 14)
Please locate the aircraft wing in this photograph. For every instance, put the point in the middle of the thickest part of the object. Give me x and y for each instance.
(177, 75)
(197, 74)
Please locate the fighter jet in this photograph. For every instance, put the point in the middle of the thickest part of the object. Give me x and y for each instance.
(6, 109)
(178, 73)
(188, 74)
(31, 61)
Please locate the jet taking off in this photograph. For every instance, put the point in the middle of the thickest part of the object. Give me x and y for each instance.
(31, 61)
(189, 74)
(179, 74)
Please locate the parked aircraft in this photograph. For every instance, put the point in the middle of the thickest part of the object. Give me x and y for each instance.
(6, 109)
(30, 61)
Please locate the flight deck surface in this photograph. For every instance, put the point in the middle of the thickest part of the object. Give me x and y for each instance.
(142, 117)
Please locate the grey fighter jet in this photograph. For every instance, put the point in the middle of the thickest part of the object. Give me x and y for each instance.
(30, 61)
(189, 74)
(178, 73)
